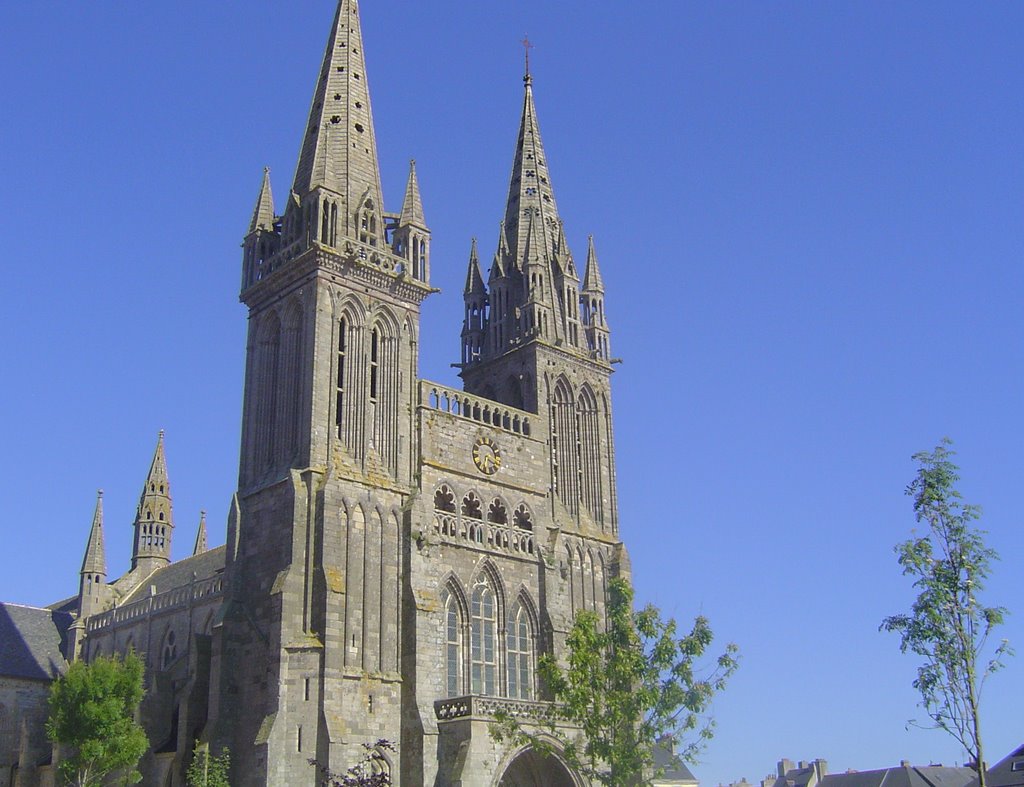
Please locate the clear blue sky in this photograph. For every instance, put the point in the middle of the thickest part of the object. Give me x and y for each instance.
(809, 219)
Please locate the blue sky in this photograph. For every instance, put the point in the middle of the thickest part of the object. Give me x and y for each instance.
(808, 217)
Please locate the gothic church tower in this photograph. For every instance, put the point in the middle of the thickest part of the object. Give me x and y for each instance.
(533, 338)
(333, 286)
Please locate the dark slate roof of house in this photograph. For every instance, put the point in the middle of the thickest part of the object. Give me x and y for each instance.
(674, 769)
(902, 776)
(180, 574)
(1002, 774)
(32, 642)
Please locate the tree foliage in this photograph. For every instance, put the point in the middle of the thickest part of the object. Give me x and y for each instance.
(92, 715)
(206, 770)
(371, 771)
(624, 688)
(947, 625)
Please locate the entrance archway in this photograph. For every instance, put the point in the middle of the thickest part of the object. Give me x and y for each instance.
(530, 768)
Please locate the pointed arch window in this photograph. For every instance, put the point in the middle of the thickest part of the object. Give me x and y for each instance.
(452, 644)
(339, 385)
(170, 649)
(520, 654)
(483, 647)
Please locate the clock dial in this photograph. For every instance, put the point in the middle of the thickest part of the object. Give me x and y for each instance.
(486, 456)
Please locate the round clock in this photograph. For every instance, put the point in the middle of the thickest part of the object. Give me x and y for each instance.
(486, 456)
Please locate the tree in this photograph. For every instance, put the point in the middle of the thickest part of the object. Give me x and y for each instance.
(948, 626)
(207, 771)
(624, 688)
(92, 713)
(371, 771)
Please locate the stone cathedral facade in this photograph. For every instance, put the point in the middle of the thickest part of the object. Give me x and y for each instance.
(398, 552)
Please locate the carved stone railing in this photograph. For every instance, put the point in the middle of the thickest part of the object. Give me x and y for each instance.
(475, 707)
(476, 408)
(150, 605)
(486, 534)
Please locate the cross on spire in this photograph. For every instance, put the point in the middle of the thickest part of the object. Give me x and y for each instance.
(527, 46)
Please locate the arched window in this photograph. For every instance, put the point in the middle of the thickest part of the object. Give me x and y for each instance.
(497, 513)
(452, 644)
(520, 655)
(472, 507)
(170, 650)
(521, 518)
(339, 386)
(483, 643)
(444, 500)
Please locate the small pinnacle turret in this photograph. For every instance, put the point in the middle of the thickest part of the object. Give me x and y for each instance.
(92, 587)
(412, 205)
(263, 214)
(592, 308)
(95, 561)
(475, 297)
(411, 237)
(592, 281)
(474, 278)
(153, 521)
(200, 545)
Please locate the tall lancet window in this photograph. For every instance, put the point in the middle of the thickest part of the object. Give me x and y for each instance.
(339, 386)
(483, 646)
(452, 644)
(520, 655)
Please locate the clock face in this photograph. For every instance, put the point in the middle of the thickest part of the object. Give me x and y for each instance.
(486, 456)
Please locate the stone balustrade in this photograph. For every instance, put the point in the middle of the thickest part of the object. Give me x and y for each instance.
(477, 707)
(476, 408)
(487, 534)
(150, 605)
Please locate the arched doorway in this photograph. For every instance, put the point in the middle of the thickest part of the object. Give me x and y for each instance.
(530, 768)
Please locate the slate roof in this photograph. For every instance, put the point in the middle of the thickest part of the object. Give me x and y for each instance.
(902, 776)
(1002, 774)
(675, 770)
(32, 642)
(179, 574)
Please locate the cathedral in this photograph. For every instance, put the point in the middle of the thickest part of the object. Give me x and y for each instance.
(398, 552)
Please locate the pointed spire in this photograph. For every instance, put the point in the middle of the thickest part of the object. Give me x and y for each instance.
(263, 215)
(412, 205)
(153, 518)
(200, 546)
(95, 561)
(474, 279)
(530, 194)
(339, 150)
(592, 281)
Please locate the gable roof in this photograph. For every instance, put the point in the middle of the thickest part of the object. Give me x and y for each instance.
(902, 776)
(176, 575)
(32, 642)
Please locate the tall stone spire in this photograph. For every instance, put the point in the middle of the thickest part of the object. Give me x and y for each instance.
(95, 561)
(200, 546)
(530, 194)
(153, 522)
(263, 215)
(339, 151)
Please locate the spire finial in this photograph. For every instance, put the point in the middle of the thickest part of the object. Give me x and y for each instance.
(527, 46)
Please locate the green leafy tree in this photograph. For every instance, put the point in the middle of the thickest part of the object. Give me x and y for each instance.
(948, 626)
(92, 715)
(208, 771)
(626, 687)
